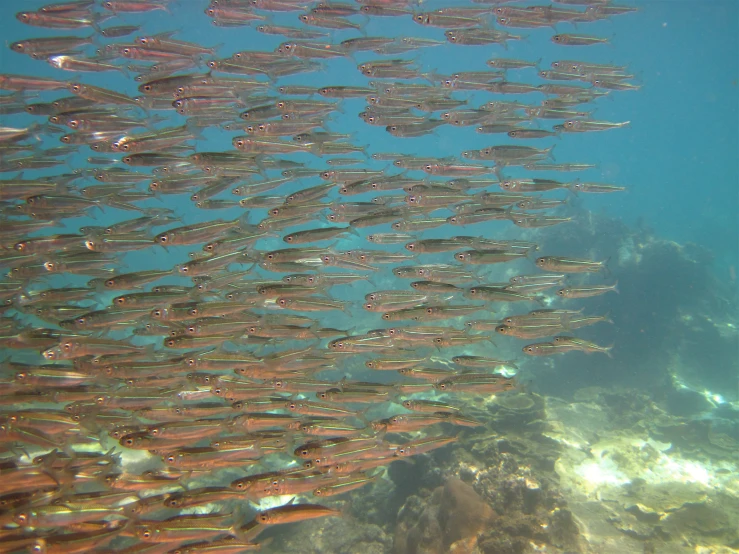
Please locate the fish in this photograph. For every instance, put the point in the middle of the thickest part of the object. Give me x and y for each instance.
(584, 126)
(597, 188)
(290, 513)
(586, 291)
(578, 40)
(574, 343)
(571, 265)
(544, 349)
(190, 340)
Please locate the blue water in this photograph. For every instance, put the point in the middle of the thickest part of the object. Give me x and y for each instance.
(677, 160)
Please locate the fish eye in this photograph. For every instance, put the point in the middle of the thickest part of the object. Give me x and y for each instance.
(289, 238)
(556, 38)
(81, 321)
(163, 238)
(239, 143)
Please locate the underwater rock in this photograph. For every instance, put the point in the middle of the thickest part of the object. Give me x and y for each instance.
(345, 535)
(650, 476)
(516, 410)
(378, 502)
(671, 311)
(683, 401)
(706, 344)
(452, 514)
(710, 437)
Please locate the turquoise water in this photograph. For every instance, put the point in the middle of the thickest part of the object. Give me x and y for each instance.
(670, 240)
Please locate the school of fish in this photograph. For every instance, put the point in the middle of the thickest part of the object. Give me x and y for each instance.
(151, 408)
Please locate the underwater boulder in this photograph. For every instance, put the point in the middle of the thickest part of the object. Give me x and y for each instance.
(454, 514)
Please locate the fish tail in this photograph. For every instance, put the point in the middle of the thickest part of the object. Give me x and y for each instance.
(604, 267)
